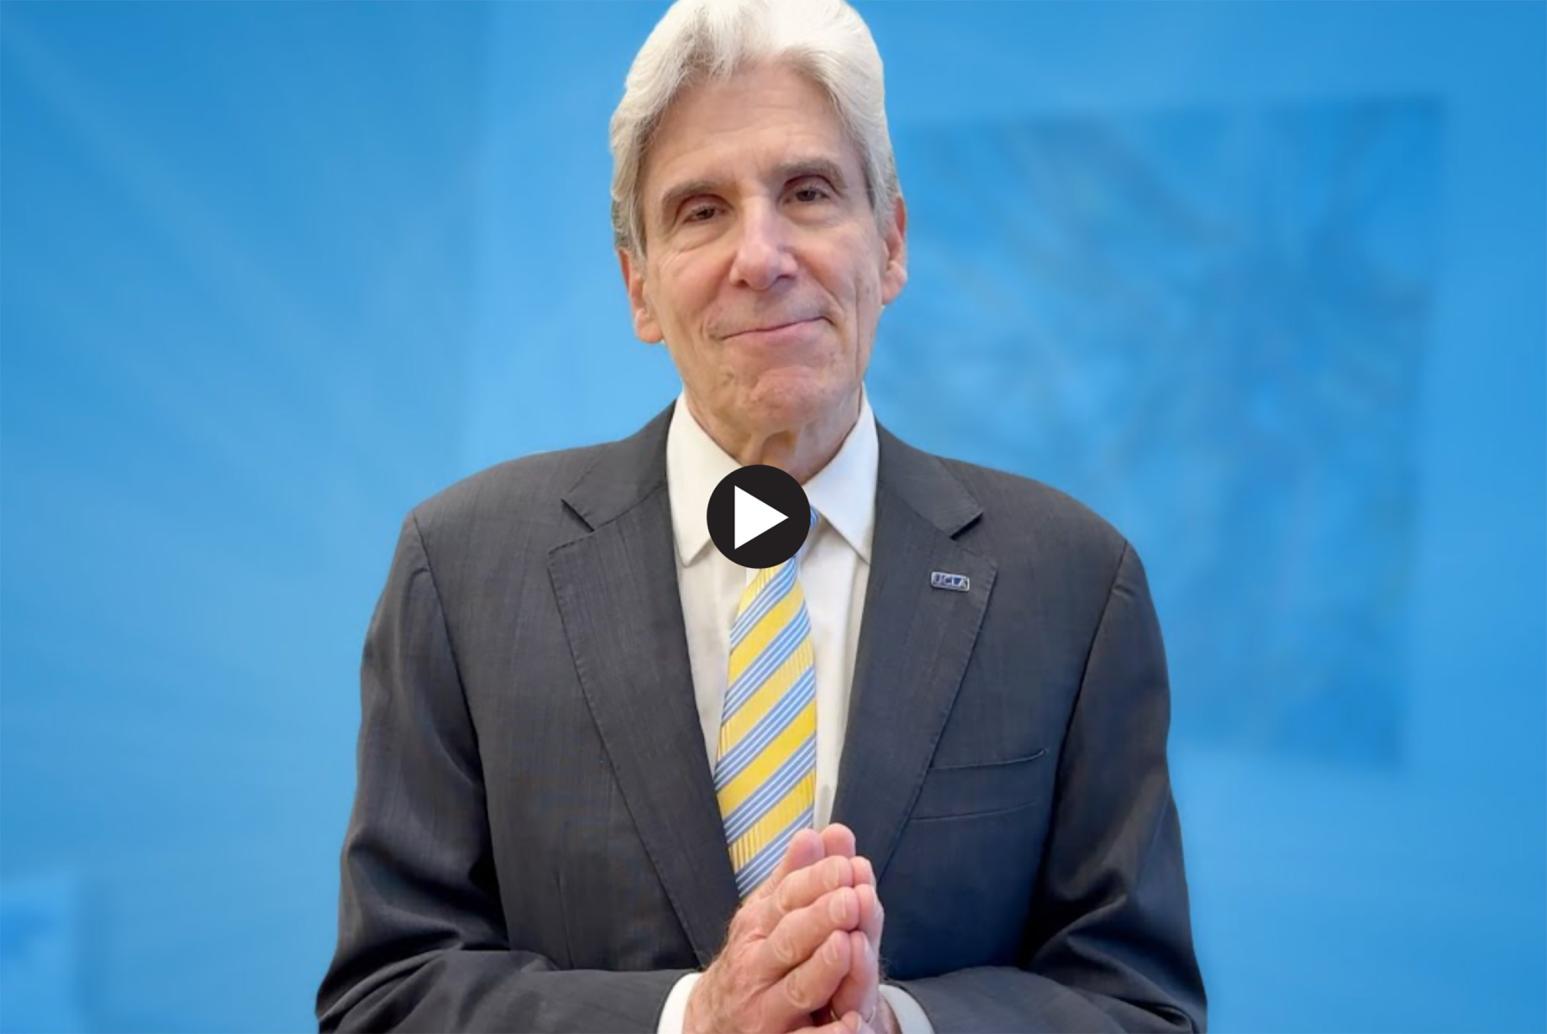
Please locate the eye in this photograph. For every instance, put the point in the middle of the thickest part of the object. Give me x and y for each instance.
(698, 213)
(809, 193)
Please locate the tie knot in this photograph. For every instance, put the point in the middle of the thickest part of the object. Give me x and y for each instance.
(794, 561)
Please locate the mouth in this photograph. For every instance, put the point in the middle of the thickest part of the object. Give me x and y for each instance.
(773, 327)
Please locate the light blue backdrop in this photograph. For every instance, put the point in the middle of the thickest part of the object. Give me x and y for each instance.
(1261, 283)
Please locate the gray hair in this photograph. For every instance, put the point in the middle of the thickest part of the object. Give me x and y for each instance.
(713, 39)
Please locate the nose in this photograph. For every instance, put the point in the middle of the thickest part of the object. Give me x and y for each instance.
(762, 249)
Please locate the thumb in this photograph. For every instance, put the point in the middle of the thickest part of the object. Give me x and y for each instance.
(805, 849)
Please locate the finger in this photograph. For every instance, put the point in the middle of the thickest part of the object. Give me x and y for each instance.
(803, 886)
(864, 872)
(804, 849)
(838, 839)
(811, 984)
(861, 985)
(802, 932)
(871, 915)
(835, 1027)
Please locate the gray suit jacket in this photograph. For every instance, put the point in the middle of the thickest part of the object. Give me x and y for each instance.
(535, 843)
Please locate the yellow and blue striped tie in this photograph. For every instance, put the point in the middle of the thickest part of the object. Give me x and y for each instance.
(765, 772)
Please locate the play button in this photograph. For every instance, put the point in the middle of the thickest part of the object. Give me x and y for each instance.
(758, 516)
(753, 517)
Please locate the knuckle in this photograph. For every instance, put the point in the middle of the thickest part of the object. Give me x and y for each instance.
(782, 950)
(830, 874)
(796, 992)
(843, 872)
(747, 922)
(782, 895)
(841, 904)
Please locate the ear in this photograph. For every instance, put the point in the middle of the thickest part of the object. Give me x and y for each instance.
(895, 234)
(645, 326)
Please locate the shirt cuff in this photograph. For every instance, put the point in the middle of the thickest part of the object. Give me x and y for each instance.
(675, 1011)
(909, 1013)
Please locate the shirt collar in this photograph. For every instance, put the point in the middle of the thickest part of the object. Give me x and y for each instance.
(843, 492)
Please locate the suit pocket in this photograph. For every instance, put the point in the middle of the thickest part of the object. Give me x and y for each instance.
(981, 788)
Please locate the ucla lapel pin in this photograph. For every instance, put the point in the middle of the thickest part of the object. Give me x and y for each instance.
(946, 580)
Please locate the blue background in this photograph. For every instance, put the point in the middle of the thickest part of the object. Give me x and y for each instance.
(1261, 283)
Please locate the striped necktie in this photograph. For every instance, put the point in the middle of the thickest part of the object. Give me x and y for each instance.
(765, 771)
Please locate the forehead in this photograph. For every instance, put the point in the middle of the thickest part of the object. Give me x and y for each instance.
(749, 124)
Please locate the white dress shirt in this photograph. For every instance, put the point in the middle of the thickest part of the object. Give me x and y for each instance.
(833, 573)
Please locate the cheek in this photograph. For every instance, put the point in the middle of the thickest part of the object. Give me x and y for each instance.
(867, 303)
(682, 292)
(864, 280)
(871, 291)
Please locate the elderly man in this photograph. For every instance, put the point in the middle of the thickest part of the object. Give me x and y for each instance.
(939, 800)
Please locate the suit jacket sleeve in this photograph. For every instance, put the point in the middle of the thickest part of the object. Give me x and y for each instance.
(422, 941)
(1108, 945)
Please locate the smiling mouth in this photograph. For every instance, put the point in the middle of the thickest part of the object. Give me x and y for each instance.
(776, 326)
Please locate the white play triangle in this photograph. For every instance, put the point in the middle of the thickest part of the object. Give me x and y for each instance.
(753, 517)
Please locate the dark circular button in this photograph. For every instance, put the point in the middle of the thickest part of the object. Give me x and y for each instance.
(758, 516)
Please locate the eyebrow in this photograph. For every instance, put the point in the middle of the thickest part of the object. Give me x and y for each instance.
(797, 168)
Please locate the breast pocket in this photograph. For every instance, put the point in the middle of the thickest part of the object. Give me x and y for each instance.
(958, 791)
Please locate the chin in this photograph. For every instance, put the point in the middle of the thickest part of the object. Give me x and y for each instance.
(780, 402)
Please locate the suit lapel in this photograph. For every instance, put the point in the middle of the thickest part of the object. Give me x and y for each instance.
(915, 641)
(617, 594)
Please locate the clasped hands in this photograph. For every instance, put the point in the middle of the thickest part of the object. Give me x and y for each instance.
(802, 953)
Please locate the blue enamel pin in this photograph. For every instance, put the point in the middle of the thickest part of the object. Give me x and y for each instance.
(946, 580)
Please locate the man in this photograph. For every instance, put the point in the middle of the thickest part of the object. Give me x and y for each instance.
(912, 779)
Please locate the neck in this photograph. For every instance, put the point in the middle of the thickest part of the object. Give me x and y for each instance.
(798, 451)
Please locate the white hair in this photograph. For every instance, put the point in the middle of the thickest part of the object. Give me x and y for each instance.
(698, 40)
